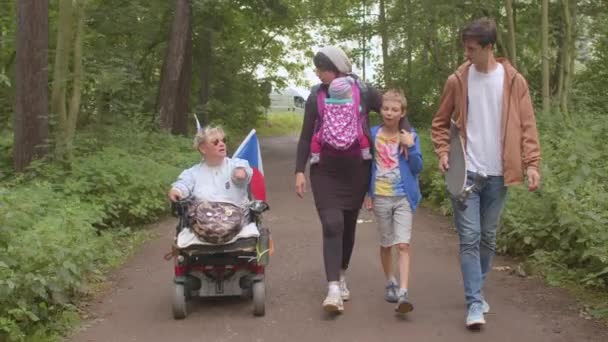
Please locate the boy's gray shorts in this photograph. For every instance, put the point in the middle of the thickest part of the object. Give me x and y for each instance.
(394, 217)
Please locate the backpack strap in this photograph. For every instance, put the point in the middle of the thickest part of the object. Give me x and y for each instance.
(321, 96)
(363, 91)
(357, 98)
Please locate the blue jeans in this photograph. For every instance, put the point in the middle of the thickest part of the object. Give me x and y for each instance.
(477, 226)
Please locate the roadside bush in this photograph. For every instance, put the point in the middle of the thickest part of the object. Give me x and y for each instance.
(432, 183)
(62, 226)
(561, 227)
(48, 245)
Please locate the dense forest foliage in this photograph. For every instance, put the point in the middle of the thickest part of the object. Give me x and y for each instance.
(97, 97)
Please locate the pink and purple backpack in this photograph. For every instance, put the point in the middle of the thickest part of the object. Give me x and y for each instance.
(340, 124)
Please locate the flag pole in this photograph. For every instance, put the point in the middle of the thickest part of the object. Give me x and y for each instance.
(242, 145)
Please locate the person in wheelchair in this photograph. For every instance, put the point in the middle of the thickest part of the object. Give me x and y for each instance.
(218, 188)
(217, 177)
(220, 248)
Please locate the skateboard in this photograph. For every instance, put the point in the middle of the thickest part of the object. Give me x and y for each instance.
(456, 175)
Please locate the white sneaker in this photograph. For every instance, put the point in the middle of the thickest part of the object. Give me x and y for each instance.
(486, 307)
(475, 317)
(344, 292)
(333, 303)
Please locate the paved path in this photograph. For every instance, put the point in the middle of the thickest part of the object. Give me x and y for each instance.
(138, 305)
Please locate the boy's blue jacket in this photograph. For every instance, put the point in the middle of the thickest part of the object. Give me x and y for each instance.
(409, 169)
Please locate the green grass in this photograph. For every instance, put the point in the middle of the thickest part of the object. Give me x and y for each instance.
(277, 124)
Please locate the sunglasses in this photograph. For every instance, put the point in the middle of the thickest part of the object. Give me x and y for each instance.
(217, 141)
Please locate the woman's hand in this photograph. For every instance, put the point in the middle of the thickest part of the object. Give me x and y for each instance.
(368, 203)
(300, 184)
(239, 175)
(174, 195)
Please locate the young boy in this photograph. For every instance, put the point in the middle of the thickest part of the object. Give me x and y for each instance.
(394, 193)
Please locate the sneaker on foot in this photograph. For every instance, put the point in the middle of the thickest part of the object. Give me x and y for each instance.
(403, 304)
(333, 303)
(485, 306)
(475, 317)
(391, 295)
(344, 292)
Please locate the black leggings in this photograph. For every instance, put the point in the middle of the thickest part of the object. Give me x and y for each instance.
(338, 239)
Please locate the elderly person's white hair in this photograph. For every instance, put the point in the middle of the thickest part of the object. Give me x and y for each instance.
(204, 134)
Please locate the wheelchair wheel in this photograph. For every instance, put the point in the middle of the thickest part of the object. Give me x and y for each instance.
(179, 302)
(259, 298)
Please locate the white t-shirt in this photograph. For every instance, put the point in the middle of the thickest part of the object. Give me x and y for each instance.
(484, 143)
(214, 183)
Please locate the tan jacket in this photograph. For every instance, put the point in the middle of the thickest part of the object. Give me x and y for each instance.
(520, 146)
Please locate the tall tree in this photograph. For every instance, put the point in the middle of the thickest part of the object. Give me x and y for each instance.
(545, 55)
(567, 56)
(384, 37)
(31, 124)
(173, 68)
(206, 50)
(408, 11)
(69, 42)
(511, 30)
(182, 103)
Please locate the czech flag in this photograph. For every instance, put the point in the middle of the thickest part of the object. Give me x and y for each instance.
(250, 151)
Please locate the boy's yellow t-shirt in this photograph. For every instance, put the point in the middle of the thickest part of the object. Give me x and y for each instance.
(388, 175)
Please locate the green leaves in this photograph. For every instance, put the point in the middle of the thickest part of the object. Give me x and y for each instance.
(51, 243)
(561, 227)
(568, 215)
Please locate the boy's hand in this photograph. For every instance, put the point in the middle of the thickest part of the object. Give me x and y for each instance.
(368, 203)
(406, 138)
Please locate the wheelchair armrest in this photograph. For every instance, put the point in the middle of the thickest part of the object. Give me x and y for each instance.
(257, 207)
(179, 209)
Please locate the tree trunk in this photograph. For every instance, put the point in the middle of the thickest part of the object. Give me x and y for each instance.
(545, 55)
(572, 45)
(31, 122)
(511, 30)
(364, 40)
(67, 43)
(206, 69)
(410, 44)
(77, 82)
(166, 103)
(500, 44)
(567, 56)
(364, 44)
(384, 36)
(182, 104)
(61, 66)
